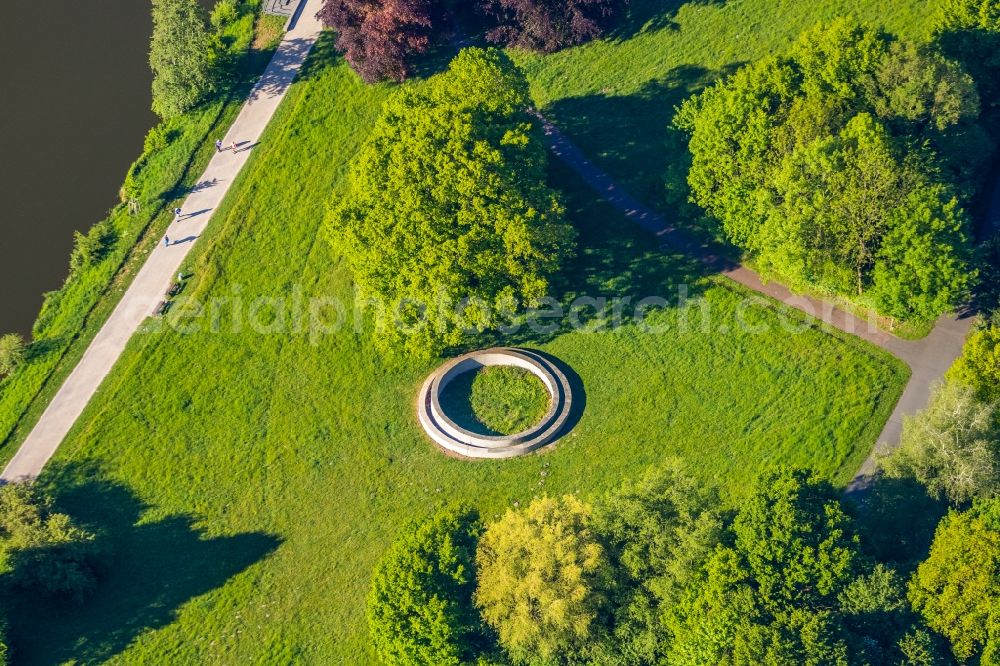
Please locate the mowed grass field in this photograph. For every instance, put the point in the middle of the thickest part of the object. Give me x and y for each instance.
(246, 481)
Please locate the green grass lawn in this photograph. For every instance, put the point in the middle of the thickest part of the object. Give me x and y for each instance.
(497, 400)
(246, 481)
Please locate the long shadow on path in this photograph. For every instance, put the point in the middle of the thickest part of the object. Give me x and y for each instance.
(152, 569)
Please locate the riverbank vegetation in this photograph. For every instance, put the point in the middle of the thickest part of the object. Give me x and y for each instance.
(106, 258)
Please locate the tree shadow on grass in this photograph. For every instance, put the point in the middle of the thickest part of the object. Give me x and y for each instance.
(631, 138)
(617, 268)
(324, 55)
(152, 569)
(652, 16)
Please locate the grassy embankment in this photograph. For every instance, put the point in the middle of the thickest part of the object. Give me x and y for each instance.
(174, 155)
(247, 481)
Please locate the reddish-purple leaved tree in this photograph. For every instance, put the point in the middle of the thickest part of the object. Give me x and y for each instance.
(379, 38)
(549, 25)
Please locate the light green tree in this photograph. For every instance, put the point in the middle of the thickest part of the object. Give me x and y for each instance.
(180, 56)
(951, 447)
(448, 223)
(925, 260)
(957, 589)
(979, 365)
(13, 352)
(543, 579)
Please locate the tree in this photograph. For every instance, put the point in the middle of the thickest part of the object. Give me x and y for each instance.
(420, 607)
(658, 532)
(381, 38)
(12, 353)
(549, 25)
(951, 447)
(925, 261)
(42, 549)
(772, 595)
(543, 580)
(447, 222)
(817, 163)
(979, 365)
(180, 56)
(957, 589)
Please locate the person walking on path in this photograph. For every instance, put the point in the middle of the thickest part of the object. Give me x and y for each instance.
(234, 146)
(218, 145)
(177, 214)
(166, 241)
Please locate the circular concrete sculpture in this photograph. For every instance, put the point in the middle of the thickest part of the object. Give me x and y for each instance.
(456, 439)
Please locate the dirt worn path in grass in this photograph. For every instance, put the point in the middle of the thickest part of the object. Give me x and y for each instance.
(160, 270)
(928, 358)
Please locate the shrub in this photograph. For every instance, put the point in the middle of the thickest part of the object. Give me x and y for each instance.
(179, 56)
(92, 247)
(543, 580)
(549, 25)
(13, 352)
(420, 605)
(381, 38)
(41, 549)
(448, 224)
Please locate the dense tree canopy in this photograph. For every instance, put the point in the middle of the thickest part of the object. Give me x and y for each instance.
(952, 447)
(420, 605)
(957, 590)
(448, 223)
(180, 56)
(790, 586)
(659, 532)
(549, 25)
(821, 164)
(381, 38)
(543, 579)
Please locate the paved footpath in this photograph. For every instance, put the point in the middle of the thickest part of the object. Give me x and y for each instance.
(928, 358)
(160, 269)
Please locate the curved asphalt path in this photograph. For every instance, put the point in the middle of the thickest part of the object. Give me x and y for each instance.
(927, 358)
(156, 275)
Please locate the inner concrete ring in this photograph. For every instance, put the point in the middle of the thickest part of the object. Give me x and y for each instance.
(452, 437)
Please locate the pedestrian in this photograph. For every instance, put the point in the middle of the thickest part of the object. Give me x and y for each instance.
(166, 241)
(180, 276)
(234, 145)
(177, 213)
(218, 145)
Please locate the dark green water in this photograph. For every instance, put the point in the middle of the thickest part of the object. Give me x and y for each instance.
(73, 113)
